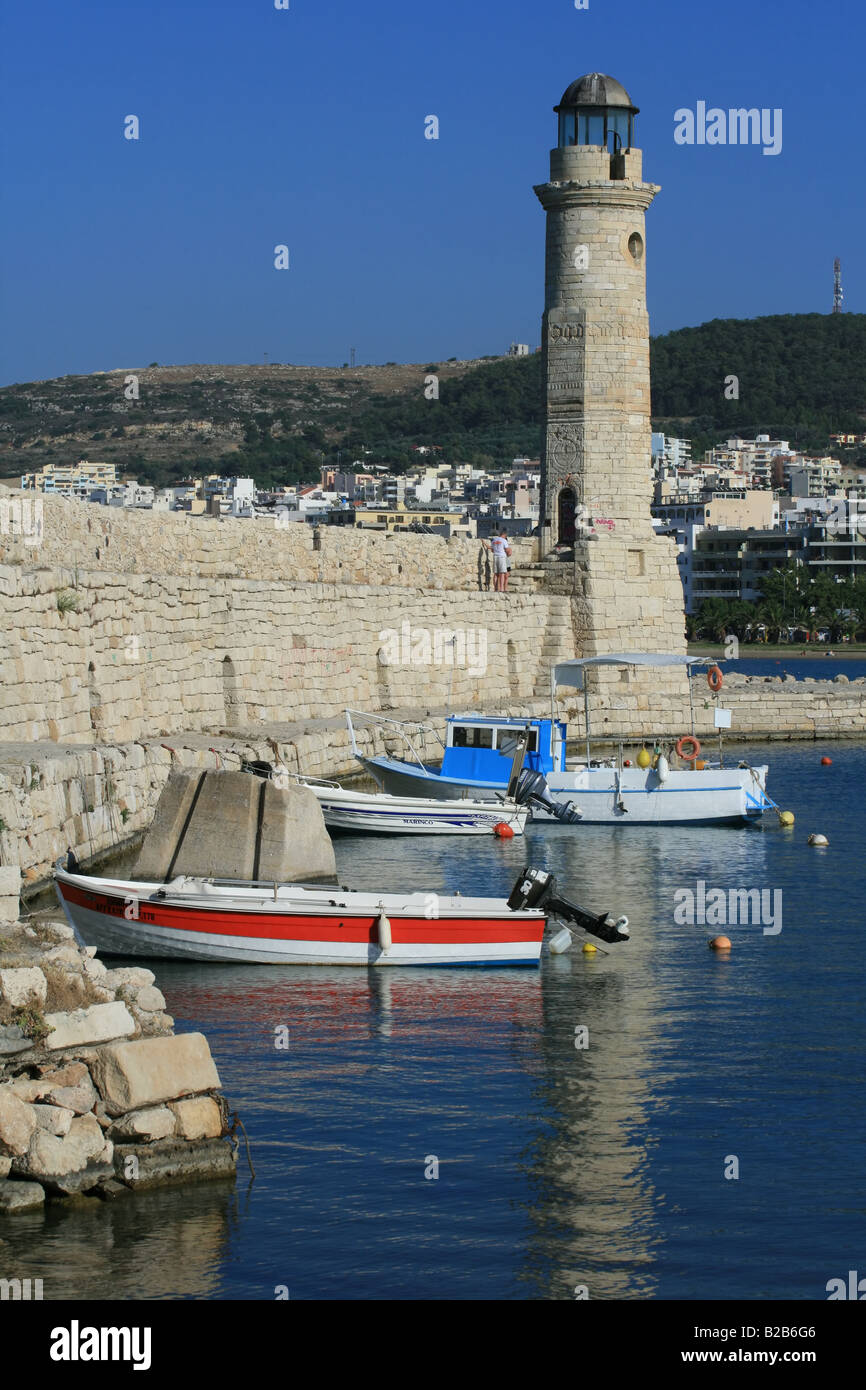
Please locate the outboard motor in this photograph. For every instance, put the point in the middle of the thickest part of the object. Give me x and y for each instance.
(532, 790)
(536, 887)
(530, 888)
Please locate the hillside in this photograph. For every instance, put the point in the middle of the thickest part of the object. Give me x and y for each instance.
(800, 377)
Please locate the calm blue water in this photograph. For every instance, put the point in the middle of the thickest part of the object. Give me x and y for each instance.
(822, 668)
(557, 1167)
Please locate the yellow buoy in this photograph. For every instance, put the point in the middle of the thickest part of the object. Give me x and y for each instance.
(589, 949)
(643, 758)
(720, 943)
(786, 817)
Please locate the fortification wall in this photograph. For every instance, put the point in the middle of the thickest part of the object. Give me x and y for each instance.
(89, 537)
(143, 656)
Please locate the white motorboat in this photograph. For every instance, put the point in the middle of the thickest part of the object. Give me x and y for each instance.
(376, 812)
(199, 919)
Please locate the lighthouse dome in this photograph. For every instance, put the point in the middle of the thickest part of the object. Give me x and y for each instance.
(596, 89)
(596, 110)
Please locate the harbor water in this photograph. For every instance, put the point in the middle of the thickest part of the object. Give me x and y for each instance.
(655, 1122)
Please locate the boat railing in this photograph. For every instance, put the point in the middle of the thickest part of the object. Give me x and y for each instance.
(399, 726)
(306, 781)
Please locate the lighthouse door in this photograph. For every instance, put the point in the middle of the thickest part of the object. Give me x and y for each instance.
(567, 503)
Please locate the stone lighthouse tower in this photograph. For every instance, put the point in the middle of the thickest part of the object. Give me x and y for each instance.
(596, 464)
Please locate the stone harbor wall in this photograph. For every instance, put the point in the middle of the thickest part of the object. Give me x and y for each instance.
(98, 1095)
(92, 799)
(101, 657)
(88, 537)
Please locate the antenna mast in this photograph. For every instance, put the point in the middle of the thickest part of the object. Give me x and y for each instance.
(837, 286)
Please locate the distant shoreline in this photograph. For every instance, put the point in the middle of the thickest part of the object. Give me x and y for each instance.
(761, 649)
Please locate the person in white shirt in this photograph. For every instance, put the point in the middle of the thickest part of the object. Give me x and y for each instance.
(500, 550)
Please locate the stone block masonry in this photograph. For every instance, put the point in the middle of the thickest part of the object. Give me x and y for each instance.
(103, 1098)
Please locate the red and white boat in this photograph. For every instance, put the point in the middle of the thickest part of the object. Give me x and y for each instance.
(289, 924)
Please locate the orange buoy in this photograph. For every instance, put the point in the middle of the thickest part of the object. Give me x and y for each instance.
(695, 746)
(826, 762)
(715, 678)
(720, 943)
(503, 830)
(700, 765)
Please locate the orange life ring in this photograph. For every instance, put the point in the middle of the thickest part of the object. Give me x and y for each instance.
(688, 757)
(714, 678)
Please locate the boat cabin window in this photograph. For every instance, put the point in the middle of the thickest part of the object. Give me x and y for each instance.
(508, 742)
(466, 737)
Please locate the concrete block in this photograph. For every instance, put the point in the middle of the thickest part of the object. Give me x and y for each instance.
(220, 838)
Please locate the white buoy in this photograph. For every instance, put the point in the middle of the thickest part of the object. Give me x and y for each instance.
(383, 929)
(662, 768)
(561, 942)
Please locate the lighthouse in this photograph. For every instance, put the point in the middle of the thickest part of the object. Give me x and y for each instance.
(596, 476)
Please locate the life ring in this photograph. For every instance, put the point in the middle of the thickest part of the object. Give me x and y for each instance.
(714, 679)
(688, 757)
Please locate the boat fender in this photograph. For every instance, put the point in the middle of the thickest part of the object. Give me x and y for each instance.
(383, 931)
(715, 679)
(563, 941)
(662, 768)
(694, 748)
(643, 758)
(503, 830)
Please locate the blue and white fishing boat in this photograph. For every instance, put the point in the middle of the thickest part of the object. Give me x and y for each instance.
(479, 753)
(477, 756)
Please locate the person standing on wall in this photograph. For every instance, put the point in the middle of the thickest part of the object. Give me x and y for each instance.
(500, 549)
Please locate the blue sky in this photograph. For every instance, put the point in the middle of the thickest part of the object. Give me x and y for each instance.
(306, 127)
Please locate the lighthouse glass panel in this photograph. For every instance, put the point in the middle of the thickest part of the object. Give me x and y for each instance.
(618, 124)
(567, 121)
(595, 129)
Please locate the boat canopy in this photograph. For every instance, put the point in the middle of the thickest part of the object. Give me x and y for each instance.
(571, 672)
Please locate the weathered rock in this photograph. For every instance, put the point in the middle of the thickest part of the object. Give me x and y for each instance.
(50, 1156)
(197, 1118)
(80, 1098)
(5, 1164)
(23, 986)
(155, 1122)
(51, 1078)
(53, 1118)
(17, 1122)
(128, 976)
(133, 1075)
(98, 1023)
(57, 931)
(66, 954)
(12, 1040)
(150, 999)
(94, 970)
(173, 1160)
(20, 1196)
(10, 890)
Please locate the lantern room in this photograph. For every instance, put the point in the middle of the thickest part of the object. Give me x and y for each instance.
(596, 110)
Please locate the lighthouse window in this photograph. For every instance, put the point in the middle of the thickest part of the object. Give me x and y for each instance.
(618, 123)
(566, 128)
(595, 130)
